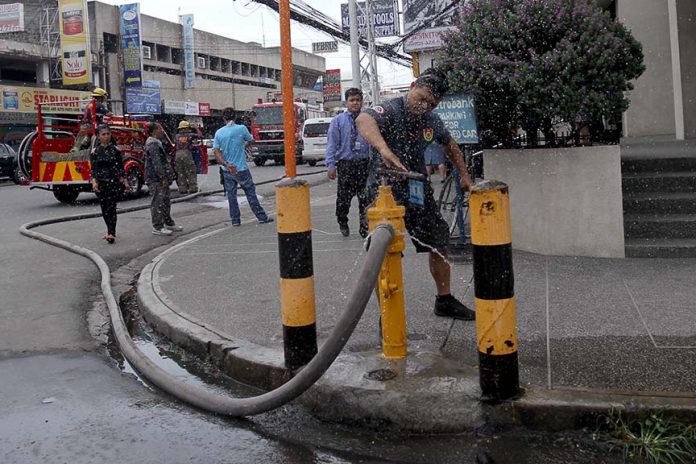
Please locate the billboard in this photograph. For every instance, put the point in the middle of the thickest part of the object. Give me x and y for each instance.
(332, 86)
(12, 18)
(419, 13)
(131, 45)
(145, 99)
(26, 99)
(188, 108)
(458, 113)
(75, 54)
(385, 18)
(189, 71)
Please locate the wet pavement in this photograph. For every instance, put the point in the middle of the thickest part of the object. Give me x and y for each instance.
(625, 324)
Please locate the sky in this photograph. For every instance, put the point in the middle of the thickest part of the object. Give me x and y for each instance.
(248, 21)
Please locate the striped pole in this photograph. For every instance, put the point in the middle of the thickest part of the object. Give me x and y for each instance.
(496, 330)
(297, 306)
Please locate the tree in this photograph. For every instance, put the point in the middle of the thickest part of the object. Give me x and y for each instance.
(532, 62)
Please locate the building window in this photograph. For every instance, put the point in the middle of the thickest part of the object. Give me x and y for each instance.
(177, 56)
(110, 43)
(164, 53)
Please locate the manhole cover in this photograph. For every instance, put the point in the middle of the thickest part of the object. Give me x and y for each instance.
(381, 374)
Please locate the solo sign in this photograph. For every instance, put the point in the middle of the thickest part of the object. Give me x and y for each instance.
(75, 53)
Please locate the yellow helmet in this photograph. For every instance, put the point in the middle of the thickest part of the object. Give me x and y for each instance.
(184, 125)
(99, 92)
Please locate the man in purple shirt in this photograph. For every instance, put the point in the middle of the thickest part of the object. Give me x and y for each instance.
(347, 157)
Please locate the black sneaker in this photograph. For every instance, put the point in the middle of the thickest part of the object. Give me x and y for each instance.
(449, 306)
(265, 221)
(345, 231)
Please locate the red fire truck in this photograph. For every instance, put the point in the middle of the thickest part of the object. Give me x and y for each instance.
(56, 155)
(268, 132)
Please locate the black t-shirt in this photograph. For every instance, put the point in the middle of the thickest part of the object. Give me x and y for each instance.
(406, 134)
(106, 163)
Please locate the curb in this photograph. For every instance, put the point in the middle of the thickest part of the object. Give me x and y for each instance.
(436, 404)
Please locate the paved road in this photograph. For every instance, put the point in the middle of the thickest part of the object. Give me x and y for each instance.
(65, 400)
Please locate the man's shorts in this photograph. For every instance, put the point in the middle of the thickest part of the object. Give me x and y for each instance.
(425, 224)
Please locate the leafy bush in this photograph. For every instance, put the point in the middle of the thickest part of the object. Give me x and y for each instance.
(531, 63)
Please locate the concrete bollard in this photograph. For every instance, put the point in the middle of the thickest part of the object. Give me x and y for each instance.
(297, 303)
(496, 326)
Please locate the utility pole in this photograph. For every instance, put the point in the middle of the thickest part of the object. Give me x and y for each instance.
(371, 52)
(286, 88)
(354, 42)
(369, 81)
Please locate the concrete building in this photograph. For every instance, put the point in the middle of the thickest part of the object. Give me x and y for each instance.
(664, 99)
(227, 72)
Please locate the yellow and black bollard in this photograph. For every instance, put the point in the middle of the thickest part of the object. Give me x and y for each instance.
(297, 305)
(390, 284)
(496, 331)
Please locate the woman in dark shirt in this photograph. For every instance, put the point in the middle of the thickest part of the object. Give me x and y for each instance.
(108, 178)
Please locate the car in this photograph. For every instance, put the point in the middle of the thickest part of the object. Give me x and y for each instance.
(209, 145)
(8, 164)
(314, 137)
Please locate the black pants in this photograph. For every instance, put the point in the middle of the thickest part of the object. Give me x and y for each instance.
(109, 193)
(352, 180)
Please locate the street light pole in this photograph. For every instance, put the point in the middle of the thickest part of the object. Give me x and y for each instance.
(286, 88)
(354, 42)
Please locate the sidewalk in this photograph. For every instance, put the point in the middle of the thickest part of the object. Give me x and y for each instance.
(606, 330)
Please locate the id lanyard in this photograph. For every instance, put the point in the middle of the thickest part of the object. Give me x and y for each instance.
(354, 142)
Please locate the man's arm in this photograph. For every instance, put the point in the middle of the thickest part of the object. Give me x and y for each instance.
(221, 161)
(368, 128)
(455, 155)
(332, 144)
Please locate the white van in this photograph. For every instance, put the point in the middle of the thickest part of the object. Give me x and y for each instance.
(314, 136)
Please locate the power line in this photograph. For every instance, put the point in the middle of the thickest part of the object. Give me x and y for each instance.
(303, 13)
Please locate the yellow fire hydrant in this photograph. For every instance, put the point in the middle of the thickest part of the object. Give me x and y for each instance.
(390, 285)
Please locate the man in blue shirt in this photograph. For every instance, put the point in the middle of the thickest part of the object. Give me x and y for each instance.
(347, 156)
(228, 147)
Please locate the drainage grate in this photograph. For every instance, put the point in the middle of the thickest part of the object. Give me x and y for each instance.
(381, 374)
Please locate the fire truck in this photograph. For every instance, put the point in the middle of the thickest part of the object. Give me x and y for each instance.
(56, 155)
(268, 132)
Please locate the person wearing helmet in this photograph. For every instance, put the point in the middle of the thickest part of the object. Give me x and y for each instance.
(186, 142)
(99, 103)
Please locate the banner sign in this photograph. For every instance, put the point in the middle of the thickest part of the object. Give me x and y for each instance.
(174, 107)
(12, 18)
(75, 54)
(145, 99)
(419, 13)
(325, 47)
(131, 45)
(191, 108)
(332, 86)
(26, 100)
(188, 108)
(189, 70)
(458, 113)
(385, 18)
(204, 109)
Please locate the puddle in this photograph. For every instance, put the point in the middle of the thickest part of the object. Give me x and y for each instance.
(172, 359)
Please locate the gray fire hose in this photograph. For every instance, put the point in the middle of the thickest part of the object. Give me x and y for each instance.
(218, 404)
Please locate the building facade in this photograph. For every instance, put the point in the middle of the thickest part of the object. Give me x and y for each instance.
(228, 72)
